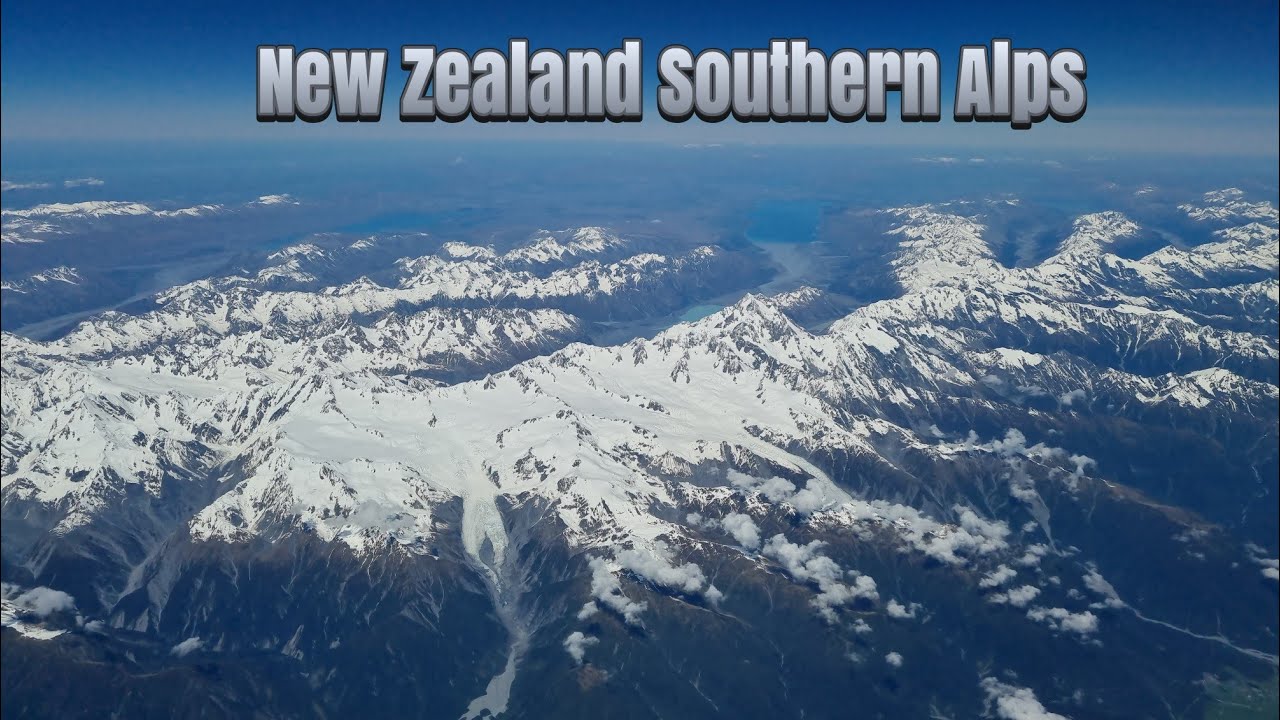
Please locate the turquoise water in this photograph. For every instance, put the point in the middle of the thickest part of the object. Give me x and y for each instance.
(697, 312)
(785, 221)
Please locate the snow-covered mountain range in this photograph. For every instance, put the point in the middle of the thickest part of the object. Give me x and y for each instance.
(1048, 487)
(36, 224)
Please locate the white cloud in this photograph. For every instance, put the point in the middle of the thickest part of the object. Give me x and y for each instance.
(1031, 557)
(946, 543)
(589, 608)
(1270, 566)
(82, 182)
(951, 544)
(1014, 703)
(187, 647)
(43, 601)
(814, 497)
(1014, 446)
(743, 529)
(817, 494)
(1082, 623)
(608, 591)
(282, 199)
(576, 645)
(6, 185)
(776, 489)
(991, 533)
(894, 659)
(1098, 584)
(658, 568)
(1017, 597)
(1068, 399)
(805, 564)
(900, 611)
(1082, 463)
(998, 577)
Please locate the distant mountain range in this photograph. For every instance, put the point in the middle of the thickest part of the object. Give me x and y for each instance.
(1031, 491)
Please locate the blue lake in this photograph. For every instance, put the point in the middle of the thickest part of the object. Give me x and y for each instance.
(697, 312)
(785, 221)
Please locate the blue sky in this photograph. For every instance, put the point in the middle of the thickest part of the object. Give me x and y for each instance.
(1171, 75)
